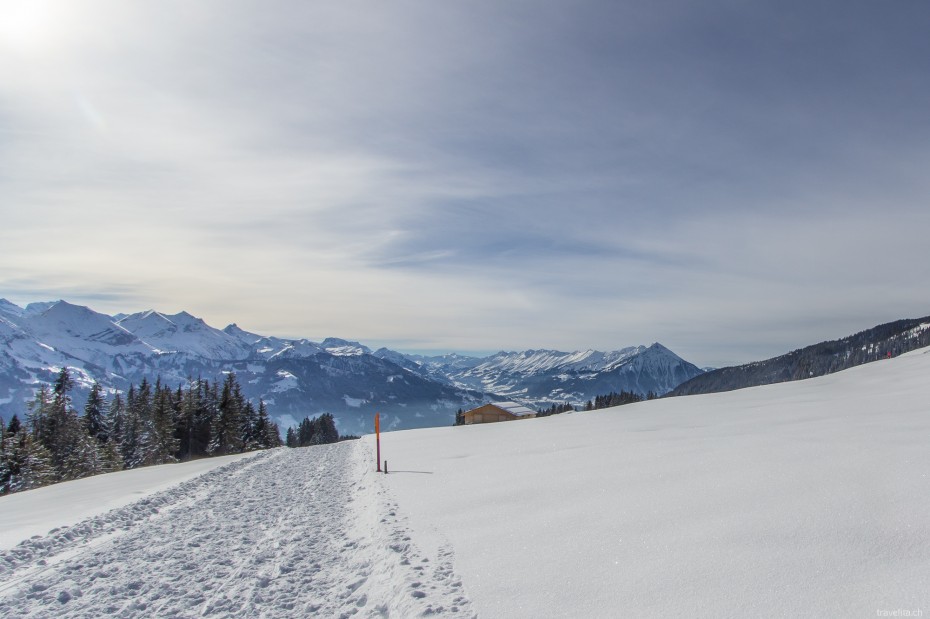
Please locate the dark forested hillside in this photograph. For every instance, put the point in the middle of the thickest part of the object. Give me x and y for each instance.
(887, 340)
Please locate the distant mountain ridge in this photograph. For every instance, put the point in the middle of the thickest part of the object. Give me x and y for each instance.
(543, 377)
(299, 377)
(890, 339)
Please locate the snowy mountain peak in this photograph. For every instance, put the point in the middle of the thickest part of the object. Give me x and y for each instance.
(344, 348)
(155, 319)
(149, 315)
(39, 307)
(183, 333)
(391, 355)
(657, 349)
(63, 308)
(86, 335)
(189, 321)
(274, 348)
(78, 321)
(242, 335)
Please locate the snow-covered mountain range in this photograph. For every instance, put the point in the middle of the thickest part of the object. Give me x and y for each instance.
(299, 377)
(540, 377)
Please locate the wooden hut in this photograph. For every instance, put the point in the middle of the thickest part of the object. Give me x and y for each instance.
(498, 411)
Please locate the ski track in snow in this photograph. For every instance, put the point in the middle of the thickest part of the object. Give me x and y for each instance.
(288, 533)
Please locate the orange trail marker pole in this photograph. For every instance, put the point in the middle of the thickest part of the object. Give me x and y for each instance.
(378, 438)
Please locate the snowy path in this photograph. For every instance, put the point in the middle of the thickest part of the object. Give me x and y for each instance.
(288, 533)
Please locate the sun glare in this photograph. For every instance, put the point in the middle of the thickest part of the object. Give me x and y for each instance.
(27, 25)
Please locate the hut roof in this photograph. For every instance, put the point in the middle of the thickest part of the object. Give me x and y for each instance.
(518, 410)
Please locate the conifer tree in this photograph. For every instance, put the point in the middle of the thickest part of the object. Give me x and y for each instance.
(226, 437)
(248, 427)
(179, 423)
(274, 435)
(38, 416)
(14, 425)
(59, 434)
(306, 433)
(116, 420)
(191, 412)
(36, 469)
(326, 432)
(164, 444)
(207, 412)
(110, 458)
(95, 424)
(147, 447)
(73, 452)
(28, 464)
(82, 459)
(113, 422)
(131, 438)
(263, 428)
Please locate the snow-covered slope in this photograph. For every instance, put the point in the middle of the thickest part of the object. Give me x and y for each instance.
(10, 311)
(83, 333)
(809, 498)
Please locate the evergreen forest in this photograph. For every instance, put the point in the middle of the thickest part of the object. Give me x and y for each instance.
(148, 425)
(317, 431)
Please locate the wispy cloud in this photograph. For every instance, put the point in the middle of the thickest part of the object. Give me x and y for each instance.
(731, 179)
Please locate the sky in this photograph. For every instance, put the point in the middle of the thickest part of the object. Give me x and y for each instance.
(734, 180)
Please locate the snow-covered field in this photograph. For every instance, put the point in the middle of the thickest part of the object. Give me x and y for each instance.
(795, 500)
(800, 499)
